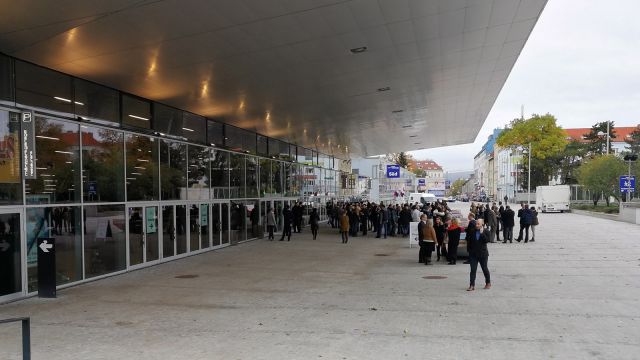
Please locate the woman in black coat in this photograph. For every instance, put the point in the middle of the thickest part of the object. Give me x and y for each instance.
(478, 253)
(453, 234)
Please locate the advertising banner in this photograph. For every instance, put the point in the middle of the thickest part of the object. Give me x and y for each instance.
(413, 233)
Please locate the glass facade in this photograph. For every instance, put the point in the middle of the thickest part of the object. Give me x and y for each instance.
(121, 181)
(10, 150)
(57, 163)
(102, 165)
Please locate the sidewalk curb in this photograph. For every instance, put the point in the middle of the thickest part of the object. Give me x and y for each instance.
(614, 217)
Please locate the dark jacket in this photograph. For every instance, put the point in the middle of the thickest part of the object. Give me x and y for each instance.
(453, 233)
(286, 214)
(478, 248)
(440, 232)
(314, 218)
(521, 216)
(527, 215)
(508, 218)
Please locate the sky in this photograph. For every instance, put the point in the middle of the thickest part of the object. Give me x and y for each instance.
(580, 64)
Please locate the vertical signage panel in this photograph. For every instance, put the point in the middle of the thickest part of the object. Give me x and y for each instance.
(28, 145)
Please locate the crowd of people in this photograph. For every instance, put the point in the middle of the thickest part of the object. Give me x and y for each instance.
(439, 228)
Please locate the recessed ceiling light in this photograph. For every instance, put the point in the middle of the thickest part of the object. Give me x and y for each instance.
(386, 88)
(358, 50)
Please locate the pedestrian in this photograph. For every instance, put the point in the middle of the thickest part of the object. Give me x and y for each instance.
(344, 227)
(507, 224)
(286, 227)
(534, 223)
(527, 215)
(471, 227)
(271, 223)
(441, 230)
(521, 217)
(428, 239)
(492, 222)
(453, 236)
(314, 218)
(421, 243)
(479, 254)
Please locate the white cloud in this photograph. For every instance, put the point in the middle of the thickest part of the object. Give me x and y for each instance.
(581, 64)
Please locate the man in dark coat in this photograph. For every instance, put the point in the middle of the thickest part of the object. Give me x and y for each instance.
(479, 254)
(521, 217)
(508, 222)
(383, 218)
(527, 215)
(286, 227)
(297, 217)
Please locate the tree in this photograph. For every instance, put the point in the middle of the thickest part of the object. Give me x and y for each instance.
(456, 187)
(546, 137)
(568, 161)
(547, 140)
(403, 159)
(419, 172)
(598, 143)
(634, 141)
(600, 176)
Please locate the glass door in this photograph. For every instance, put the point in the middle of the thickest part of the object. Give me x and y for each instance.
(215, 222)
(143, 234)
(152, 242)
(10, 255)
(205, 242)
(226, 235)
(136, 236)
(168, 231)
(194, 227)
(181, 229)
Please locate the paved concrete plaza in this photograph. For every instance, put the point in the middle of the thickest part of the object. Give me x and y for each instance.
(573, 294)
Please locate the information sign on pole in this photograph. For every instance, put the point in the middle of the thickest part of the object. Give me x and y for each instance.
(393, 171)
(627, 183)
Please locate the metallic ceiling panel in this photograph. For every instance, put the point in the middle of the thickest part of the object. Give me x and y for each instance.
(432, 68)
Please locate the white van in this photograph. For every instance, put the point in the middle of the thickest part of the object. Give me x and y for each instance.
(553, 198)
(421, 198)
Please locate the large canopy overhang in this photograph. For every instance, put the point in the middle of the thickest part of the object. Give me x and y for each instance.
(360, 77)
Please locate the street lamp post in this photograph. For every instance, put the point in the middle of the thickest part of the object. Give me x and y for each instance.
(608, 134)
(529, 178)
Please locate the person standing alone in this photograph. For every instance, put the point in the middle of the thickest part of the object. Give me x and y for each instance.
(479, 254)
(344, 227)
(286, 226)
(271, 223)
(314, 218)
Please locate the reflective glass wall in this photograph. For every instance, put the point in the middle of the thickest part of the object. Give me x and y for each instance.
(100, 152)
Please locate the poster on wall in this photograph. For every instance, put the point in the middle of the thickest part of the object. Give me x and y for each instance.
(151, 220)
(204, 215)
(9, 149)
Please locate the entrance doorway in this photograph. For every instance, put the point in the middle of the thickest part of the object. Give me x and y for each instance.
(174, 230)
(144, 244)
(10, 255)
